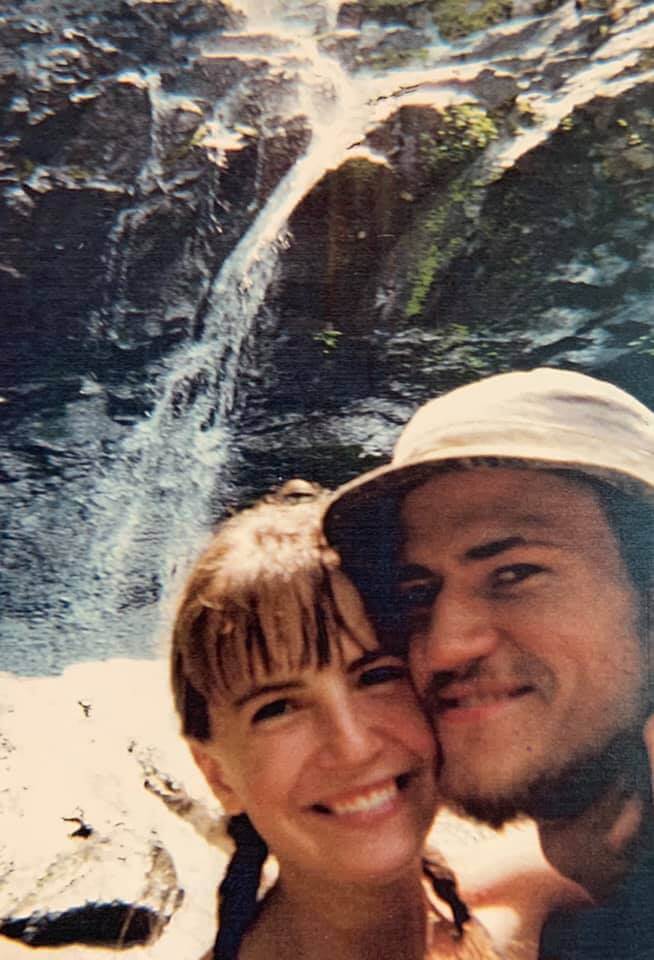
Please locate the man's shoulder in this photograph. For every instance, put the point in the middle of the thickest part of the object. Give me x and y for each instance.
(621, 928)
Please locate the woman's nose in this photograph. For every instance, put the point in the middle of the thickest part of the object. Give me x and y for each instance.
(348, 735)
(462, 628)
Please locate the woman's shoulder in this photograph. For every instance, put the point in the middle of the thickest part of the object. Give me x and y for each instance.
(446, 943)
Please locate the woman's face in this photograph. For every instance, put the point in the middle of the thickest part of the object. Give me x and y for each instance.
(334, 766)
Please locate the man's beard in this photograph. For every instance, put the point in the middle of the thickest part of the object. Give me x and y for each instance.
(568, 792)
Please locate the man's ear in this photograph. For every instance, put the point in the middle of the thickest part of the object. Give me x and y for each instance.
(215, 777)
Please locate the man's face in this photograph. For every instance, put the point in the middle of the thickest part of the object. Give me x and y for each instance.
(523, 628)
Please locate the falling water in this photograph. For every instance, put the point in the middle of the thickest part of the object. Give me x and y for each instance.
(149, 513)
(149, 509)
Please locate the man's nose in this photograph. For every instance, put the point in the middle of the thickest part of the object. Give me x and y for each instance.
(462, 628)
(348, 736)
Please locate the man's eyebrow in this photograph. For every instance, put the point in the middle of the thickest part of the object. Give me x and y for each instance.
(493, 547)
(264, 688)
(413, 571)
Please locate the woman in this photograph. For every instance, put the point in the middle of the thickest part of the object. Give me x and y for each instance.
(310, 736)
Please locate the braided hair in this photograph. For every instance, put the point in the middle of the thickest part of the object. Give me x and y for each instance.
(263, 581)
(443, 883)
(239, 887)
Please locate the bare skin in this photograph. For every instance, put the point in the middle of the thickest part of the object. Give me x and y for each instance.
(513, 586)
(354, 924)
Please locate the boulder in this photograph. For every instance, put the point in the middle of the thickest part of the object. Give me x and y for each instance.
(110, 837)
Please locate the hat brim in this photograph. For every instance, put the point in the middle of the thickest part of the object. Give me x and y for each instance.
(392, 481)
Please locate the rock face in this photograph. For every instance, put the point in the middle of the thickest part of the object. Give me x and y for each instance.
(500, 220)
(242, 243)
(110, 837)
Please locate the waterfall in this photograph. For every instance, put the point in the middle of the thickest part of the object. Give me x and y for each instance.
(148, 514)
(118, 538)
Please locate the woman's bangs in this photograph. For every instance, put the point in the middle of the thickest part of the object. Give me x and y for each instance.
(281, 626)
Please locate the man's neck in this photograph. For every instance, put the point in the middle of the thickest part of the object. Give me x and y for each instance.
(597, 848)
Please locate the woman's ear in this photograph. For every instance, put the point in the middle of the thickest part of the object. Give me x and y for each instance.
(215, 777)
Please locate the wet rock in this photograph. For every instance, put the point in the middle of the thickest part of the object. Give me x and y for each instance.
(110, 838)
(339, 218)
(414, 13)
(113, 890)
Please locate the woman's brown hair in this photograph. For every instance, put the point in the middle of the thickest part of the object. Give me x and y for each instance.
(261, 593)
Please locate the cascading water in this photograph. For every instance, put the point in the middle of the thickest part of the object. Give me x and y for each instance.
(148, 514)
(136, 508)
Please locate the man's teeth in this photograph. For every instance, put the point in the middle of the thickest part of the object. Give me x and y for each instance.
(365, 802)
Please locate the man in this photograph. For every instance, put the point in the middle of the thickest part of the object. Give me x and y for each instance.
(508, 546)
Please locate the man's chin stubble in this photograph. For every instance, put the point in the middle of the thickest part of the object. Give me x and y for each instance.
(569, 792)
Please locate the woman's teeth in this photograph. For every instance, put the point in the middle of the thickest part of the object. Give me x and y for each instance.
(364, 802)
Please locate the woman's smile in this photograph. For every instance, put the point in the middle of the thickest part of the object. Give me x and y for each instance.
(312, 752)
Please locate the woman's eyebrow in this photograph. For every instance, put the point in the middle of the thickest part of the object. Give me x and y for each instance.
(368, 657)
(267, 688)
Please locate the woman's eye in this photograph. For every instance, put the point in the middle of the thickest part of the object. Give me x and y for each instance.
(385, 673)
(515, 573)
(276, 708)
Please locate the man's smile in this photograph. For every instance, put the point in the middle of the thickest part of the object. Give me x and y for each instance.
(478, 699)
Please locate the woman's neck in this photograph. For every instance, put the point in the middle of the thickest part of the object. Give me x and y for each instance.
(325, 919)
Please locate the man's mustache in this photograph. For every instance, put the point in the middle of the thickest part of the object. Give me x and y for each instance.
(516, 671)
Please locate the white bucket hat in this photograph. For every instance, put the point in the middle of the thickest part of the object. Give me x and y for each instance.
(545, 418)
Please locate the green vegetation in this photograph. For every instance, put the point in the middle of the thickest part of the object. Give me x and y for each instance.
(25, 168)
(329, 338)
(439, 252)
(471, 355)
(391, 59)
(457, 18)
(440, 240)
(79, 173)
(198, 137)
(465, 129)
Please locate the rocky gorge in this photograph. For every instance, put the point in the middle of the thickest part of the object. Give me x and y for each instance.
(242, 241)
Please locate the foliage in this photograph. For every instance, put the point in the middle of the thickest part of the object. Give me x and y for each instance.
(391, 59)
(438, 254)
(441, 241)
(456, 18)
(329, 338)
(466, 128)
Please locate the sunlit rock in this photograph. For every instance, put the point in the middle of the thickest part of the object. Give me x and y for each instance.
(109, 837)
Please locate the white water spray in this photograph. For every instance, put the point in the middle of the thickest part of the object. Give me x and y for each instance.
(150, 511)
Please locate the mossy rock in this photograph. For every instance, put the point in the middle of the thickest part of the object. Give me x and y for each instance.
(457, 18)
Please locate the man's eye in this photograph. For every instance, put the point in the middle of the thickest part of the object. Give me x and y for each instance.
(418, 595)
(276, 708)
(515, 573)
(385, 673)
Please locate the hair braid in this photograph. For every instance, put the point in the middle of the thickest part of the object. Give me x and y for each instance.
(444, 886)
(239, 887)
